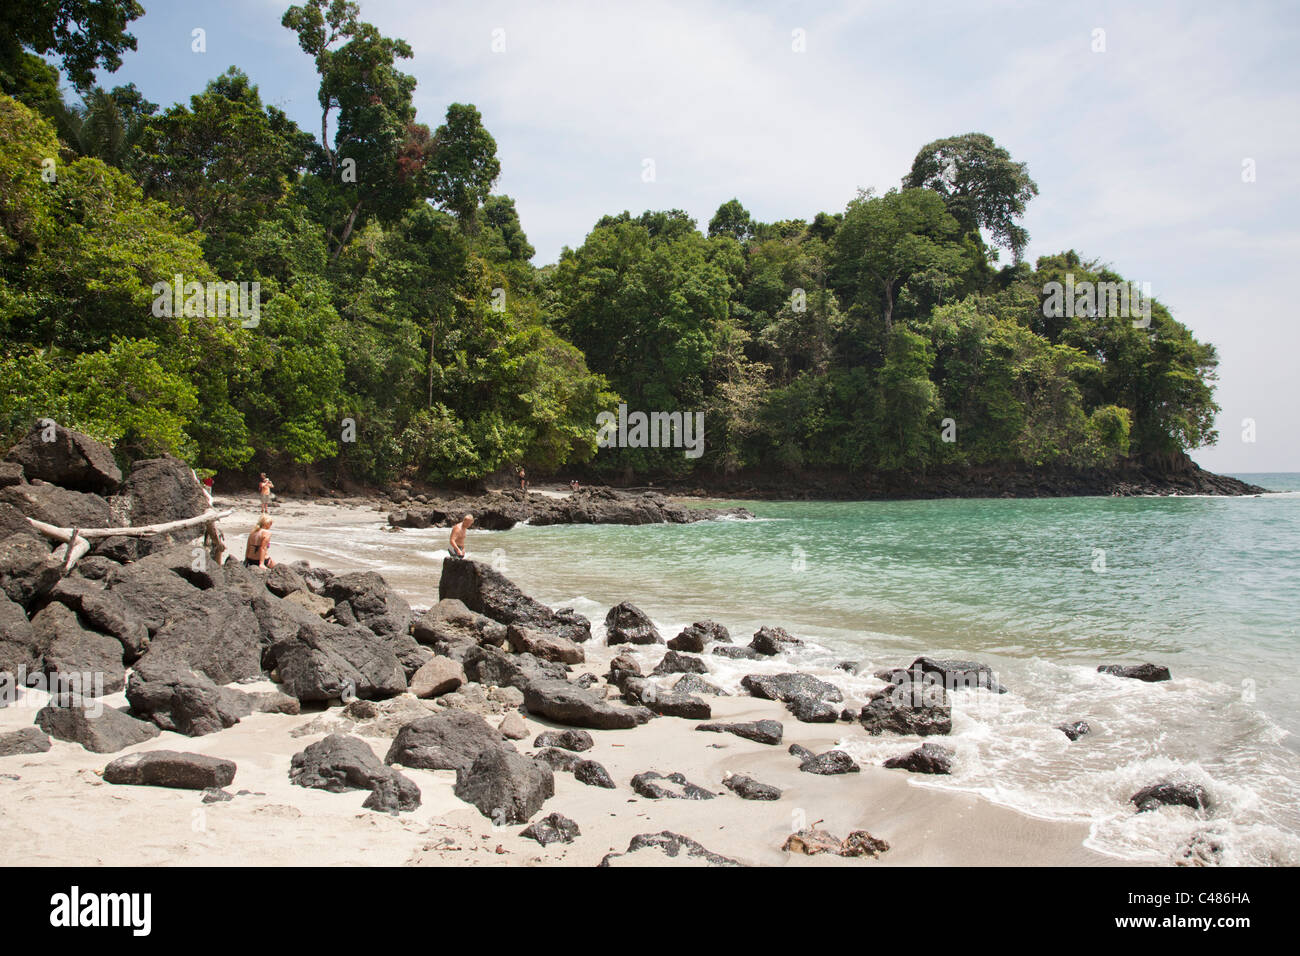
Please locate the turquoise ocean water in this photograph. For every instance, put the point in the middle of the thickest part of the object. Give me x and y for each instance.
(1043, 590)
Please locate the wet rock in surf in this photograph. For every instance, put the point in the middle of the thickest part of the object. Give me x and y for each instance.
(920, 709)
(770, 641)
(1151, 673)
(695, 637)
(927, 758)
(737, 652)
(1074, 730)
(1169, 793)
(677, 663)
(830, 763)
(628, 624)
(786, 687)
(956, 675)
(695, 684)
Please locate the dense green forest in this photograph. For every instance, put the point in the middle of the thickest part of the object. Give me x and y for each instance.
(403, 330)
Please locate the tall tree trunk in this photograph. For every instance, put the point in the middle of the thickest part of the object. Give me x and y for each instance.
(347, 231)
(889, 309)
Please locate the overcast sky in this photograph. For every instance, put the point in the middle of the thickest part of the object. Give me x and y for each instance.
(1137, 149)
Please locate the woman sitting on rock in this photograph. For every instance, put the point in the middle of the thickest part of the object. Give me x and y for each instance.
(257, 554)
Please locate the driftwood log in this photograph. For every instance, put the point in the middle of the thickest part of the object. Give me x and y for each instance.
(77, 541)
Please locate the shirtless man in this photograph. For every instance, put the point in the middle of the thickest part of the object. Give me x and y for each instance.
(258, 551)
(458, 530)
(264, 487)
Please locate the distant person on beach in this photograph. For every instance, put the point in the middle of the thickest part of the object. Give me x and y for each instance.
(207, 488)
(458, 530)
(258, 551)
(523, 480)
(264, 487)
(573, 484)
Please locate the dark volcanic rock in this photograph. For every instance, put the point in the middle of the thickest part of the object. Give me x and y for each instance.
(448, 741)
(675, 786)
(219, 637)
(28, 740)
(104, 611)
(83, 660)
(104, 733)
(1074, 730)
(153, 593)
(628, 624)
(694, 684)
(592, 774)
(773, 640)
(737, 652)
(169, 768)
(183, 700)
(450, 622)
(326, 661)
(621, 668)
(159, 490)
(558, 759)
(829, 763)
(493, 667)
(548, 647)
(70, 459)
(695, 637)
(811, 710)
(762, 731)
(786, 687)
(1171, 793)
(363, 597)
(747, 788)
(921, 709)
(927, 758)
(1151, 673)
(955, 675)
(20, 648)
(282, 580)
(59, 506)
(340, 763)
(552, 828)
(505, 786)
(27, 570)
(676, 663)
(487, 591)
(574, 706)
(645, 846)
(638, 690)
(577, 740)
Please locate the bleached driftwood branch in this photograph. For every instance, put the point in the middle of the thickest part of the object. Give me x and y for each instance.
(77, 541)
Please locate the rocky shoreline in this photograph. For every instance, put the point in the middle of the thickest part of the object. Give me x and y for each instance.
(512, 697)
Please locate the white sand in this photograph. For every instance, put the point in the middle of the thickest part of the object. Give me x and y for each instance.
(60, 812)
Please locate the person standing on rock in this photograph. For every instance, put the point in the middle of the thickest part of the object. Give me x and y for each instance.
(523, 480)
(264, 487)
(457, 540)
(258, 551)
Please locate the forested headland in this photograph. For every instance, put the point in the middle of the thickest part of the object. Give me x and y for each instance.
(402, 332)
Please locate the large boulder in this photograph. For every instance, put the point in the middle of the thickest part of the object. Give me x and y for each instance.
(59, 506)
(65, 457)
(913, 708)
(567, 703)
(28, 740)
(218, 638)
(76, 657)
(326, 661)
(1168, 793)
(177, 698)
(628, 624)
(99, 729)
(21, 650)
(507, 787)
(340, 763)
(666, 703)
(154, 594)
(485, 590)
(437, 676)
(159, 490)
(675, 662)
(448, 741)
(26, 568)
(363, 597)
(105, 611)
(170, 768)
(495, 668)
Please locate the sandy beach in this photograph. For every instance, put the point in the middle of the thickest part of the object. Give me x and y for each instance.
(81, 820)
